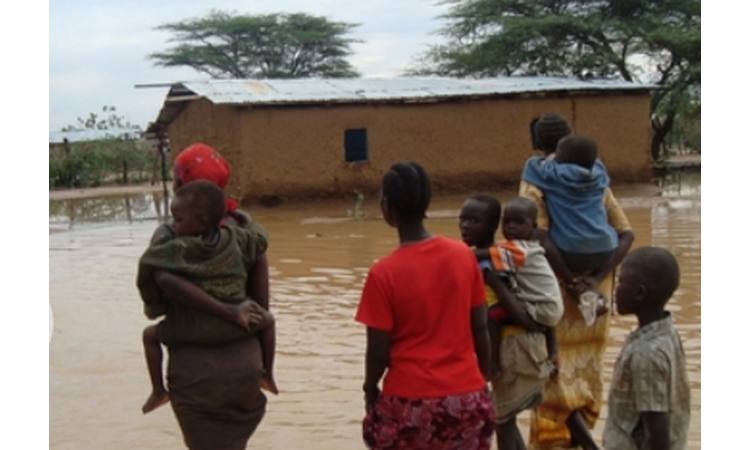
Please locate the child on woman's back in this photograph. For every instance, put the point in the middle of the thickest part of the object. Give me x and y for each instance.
(580, 240)
(215, 258)
(525, 303)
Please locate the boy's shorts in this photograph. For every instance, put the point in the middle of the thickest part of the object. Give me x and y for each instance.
(524, 368)
(585, 263)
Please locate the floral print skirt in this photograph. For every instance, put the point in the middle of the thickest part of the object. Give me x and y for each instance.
(464, 421)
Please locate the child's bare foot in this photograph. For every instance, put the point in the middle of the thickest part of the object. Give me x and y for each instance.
(155, 400)
(269, 384)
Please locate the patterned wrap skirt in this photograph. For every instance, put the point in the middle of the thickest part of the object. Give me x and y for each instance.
(579, 385)
(464, 421)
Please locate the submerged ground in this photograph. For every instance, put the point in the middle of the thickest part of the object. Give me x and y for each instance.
(319, 256)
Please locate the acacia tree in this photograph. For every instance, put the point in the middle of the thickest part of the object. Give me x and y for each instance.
(654, 41)
(224, 45)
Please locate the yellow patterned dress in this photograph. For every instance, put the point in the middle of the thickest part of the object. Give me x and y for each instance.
(580, 348)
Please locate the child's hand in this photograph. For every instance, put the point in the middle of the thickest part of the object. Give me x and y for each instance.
(590, 283)
(574, 287)
(555, 360)
(581, 285)
(249, 315)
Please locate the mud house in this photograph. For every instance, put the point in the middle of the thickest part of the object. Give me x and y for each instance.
(317, 137)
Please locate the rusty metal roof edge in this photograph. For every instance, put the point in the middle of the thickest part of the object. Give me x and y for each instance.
(412, 90)
(337, 90)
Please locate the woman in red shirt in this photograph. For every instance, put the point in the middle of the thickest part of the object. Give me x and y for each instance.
(426, 319)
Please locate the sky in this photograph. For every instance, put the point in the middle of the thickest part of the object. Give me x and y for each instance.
(97, 49)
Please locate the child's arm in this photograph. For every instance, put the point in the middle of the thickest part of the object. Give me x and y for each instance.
(179, 290)
(657, 426)
(515, 309)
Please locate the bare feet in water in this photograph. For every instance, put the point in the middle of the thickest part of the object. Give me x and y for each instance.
(155, 400)
(267, 383)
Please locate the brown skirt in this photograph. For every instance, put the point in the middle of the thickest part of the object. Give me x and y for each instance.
(215, 394)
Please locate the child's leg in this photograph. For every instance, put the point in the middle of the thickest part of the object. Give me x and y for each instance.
(153, 352)
(268, 344)
(579, 432)
(266, 330)
(509, 436)
(520, 444)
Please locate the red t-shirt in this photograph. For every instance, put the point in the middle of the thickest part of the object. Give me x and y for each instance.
(422, 293)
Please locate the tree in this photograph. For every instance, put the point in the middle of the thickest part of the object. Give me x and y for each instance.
(224, 45)
(117, 127)
(654, 41)
(115, 148)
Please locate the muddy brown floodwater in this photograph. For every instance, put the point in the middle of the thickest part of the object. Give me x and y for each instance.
(319, 258)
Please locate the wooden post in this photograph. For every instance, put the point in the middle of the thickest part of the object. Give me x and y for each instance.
(163, 148)
(124, 171)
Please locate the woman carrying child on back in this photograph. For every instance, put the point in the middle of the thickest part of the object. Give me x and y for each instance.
(581, 241)
(426, 317)
(214, 389)
(573, 399)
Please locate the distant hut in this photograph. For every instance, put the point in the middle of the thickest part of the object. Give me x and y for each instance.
(309, 137)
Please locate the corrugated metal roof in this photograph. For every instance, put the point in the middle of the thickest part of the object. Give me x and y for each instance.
(345, 90)
(56, 137)
(307, 91)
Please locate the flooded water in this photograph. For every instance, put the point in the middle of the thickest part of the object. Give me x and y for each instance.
(319, 258)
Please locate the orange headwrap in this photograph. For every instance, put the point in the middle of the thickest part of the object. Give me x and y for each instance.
(201, 162)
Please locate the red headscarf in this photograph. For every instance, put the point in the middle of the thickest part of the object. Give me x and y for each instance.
(201, 162)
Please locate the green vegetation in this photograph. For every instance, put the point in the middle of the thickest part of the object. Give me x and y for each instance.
(224, 45)
(654, 41)
(103, 161)
(120, 157)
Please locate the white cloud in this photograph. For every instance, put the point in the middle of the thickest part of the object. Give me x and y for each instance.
(98, 49)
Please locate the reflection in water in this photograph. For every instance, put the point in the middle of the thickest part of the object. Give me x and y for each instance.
(680, 183)
(114, 208)
(319, 258)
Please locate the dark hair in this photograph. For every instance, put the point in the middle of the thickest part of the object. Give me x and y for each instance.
(493, 208)
(205, 199)
(407, 188)
(523, 204)
(658, 269)
(579, 150)
(549, 129)
(532, 133)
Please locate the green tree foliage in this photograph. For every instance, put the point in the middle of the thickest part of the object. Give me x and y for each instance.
(119, 155)
(225, 45)
(654, 41)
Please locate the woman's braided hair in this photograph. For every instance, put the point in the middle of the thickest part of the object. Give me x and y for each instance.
(407, 188)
